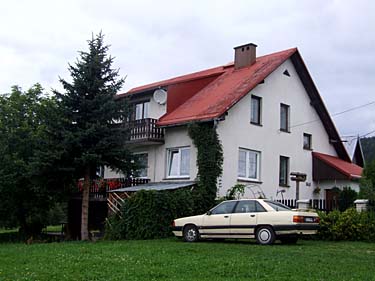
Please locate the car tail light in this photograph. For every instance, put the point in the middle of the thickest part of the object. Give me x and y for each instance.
(298, 219)
(302, 219)
(173, 224)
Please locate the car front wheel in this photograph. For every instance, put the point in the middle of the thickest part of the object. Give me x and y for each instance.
(265, 235)
(191, 233)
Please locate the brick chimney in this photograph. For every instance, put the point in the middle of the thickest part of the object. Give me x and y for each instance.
(244, 55)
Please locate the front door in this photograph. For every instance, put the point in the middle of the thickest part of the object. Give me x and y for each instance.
(244, 219)
(332, 199)
(216, 222)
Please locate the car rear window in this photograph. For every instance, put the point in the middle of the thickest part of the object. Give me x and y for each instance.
(277, 206)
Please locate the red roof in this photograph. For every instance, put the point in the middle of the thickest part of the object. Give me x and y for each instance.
(225, 91)
(184, 78)
(225, 88)
(349, 169)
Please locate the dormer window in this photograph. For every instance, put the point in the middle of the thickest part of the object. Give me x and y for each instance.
(142, 110)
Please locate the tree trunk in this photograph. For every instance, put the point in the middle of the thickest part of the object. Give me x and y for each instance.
(85, 205)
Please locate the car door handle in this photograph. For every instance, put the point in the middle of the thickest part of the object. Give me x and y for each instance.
(252, 216)
(226, 217)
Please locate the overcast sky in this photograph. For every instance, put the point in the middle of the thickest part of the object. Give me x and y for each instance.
(154, 40)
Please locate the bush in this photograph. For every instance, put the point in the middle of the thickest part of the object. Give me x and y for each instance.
(348, 225)
(347, 196)
(148, 214)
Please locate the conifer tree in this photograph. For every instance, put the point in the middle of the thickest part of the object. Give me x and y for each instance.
(92, 133)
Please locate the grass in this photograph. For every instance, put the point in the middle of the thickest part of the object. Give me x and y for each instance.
(171, 259)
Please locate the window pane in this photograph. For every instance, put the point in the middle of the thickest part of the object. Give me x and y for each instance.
(173, 163)
(284, 117)
(255, 110)
(246, 207)
(277, 206)
(260, 208)
(185, 162)
(146, 107)
(143, 161)
(138, 111)
(306, 141)
(242, 163)
(253, 165)
(224, 208)
(284, 163)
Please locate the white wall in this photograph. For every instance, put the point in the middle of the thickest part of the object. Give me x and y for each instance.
(157, 155)
(156, 110)
(237, 131)
(339, 184)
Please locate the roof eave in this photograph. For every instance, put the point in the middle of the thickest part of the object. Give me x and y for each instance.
(318, 104)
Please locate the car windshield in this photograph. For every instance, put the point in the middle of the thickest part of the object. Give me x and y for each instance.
(277, 206)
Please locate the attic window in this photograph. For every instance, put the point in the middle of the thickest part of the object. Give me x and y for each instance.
(286, 72)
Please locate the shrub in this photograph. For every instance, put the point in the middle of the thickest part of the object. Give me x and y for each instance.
(235, 192)
(148, 214)
(347, 196)
(348, 225)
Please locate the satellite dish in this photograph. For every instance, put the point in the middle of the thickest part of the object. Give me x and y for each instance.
(160, 96)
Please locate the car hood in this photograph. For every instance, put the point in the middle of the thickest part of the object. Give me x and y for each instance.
(193, 219)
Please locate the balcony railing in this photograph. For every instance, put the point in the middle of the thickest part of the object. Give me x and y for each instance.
(100, 187)
(145, 130)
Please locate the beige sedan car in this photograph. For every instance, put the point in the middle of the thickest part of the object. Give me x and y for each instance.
(262, 219)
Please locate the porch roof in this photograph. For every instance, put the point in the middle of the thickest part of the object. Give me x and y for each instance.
(328, 167)
(156, 186)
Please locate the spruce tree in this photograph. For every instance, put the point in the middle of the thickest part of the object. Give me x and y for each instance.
(91, 133)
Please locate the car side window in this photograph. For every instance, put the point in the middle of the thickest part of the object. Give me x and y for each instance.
(224, 208)
(259, 207)
(249, 206)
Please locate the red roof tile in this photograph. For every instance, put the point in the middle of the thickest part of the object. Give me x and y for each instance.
(184, 78)
(224, 92)
(349, 169)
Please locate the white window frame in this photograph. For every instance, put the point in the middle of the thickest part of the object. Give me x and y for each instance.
(178, 163)
(143, 112)
(247, 165)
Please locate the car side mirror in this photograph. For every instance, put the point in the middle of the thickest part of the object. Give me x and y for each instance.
(208, 213)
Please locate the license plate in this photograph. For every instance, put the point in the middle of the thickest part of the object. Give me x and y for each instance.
(309, 219)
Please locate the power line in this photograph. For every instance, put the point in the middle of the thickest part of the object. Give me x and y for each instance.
(369, 133)
(336, 114)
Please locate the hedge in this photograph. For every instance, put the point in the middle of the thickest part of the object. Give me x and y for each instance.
(149, 214)
(348, 225)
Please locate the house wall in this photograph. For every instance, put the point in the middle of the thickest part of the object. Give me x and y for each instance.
(157, 156)
(156, 110)
(236, 131)
(329, 184)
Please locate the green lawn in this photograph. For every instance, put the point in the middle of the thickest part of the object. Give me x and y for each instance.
(171, 259)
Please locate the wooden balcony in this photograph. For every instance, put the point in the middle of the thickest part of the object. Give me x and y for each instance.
(145, 131)
(99, 188)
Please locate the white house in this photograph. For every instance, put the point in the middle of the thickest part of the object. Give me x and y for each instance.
(270, 119)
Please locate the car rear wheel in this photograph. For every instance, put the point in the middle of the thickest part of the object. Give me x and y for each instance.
(265, 235)
(191, 233)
